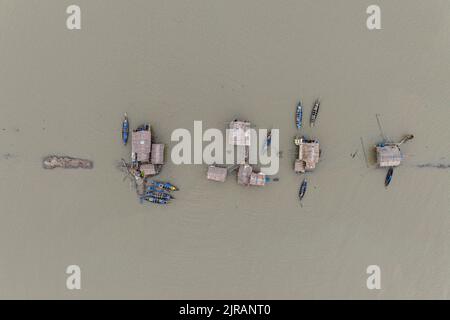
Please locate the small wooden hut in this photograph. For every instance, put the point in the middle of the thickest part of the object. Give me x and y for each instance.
(239, 133)
(157, 154)
(388, 155)
(308, 155)
(217, 173)
(244, 174)
(141, 141)
(148, 169)
(257, 179)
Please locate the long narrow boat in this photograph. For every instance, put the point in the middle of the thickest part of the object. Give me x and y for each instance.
(157, 189)
(158, 195)
(125, 129)
(302, 190)
(163, 185)
(157, 201)
(268, 141)
(389, 175)
(314, 113)
(299, 115)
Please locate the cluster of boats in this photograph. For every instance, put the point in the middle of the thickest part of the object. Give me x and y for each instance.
(388, 155)
(158, 192)
(313, 117)
(145, 164)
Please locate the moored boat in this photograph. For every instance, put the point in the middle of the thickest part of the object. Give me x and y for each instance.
(158, 195)
(299, 115)
(302, 190)
(389, 175)
(157, 201)
(163, 185)
(314, 113)
(125, 129)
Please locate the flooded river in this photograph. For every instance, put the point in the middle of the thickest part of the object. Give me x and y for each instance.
(173, 62)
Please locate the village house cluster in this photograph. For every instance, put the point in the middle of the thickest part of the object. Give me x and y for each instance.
(240, 137)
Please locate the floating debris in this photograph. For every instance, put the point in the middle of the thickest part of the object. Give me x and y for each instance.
(435, 166)
(52, 162)
(314, 113)
(364, 152)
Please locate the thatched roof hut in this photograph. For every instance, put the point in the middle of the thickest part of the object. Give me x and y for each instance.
(257, 179)
(388, 155)
(157, 154)
(217, 173)
(148, 169)
(308, 155)
(244, 173)
(141, 145)
(239, 133)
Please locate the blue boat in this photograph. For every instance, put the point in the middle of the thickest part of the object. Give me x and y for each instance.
(303, 188)
(389, 175)
(163, 185)
(157, 189)
(158, 195)
(299, 115)
(157, 201)
(125, 129)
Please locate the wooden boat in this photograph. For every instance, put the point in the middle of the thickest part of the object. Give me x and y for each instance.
(299, 115)
(268, 141)
(125, 129)
(303, 188)
(314, 113)
(163, 185)
(157, 189)
(157, 201)
(158, 195)
(389, 175)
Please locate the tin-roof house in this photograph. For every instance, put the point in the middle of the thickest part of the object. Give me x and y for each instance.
(244, 174)
(157, 153)
(148, 169)
(388, 155)
(141, 141)
(257, 179)
(308, 155)
(217, 173)
(239, 133)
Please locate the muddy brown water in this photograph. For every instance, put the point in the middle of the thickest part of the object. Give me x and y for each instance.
(173, 62)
